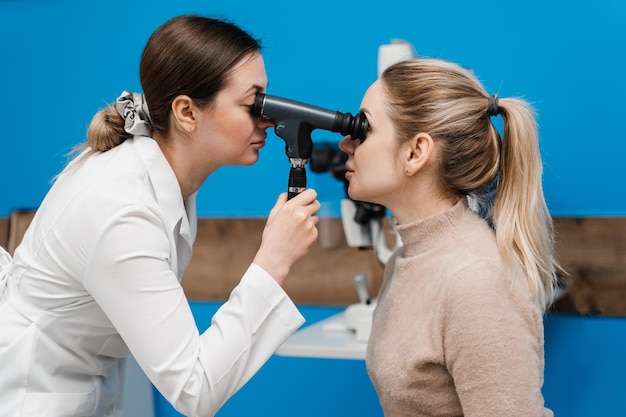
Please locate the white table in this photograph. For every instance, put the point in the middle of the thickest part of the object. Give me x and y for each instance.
(329, 338)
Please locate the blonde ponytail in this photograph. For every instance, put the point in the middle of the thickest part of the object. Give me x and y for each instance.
(524, 230)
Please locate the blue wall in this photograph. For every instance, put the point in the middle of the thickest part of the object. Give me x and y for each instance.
(585, 375)
(292, 386)
(61, 61)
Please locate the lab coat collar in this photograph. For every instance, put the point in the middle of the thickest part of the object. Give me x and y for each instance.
(167, 189)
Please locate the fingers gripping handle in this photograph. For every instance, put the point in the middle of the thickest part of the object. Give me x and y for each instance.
(297, 181)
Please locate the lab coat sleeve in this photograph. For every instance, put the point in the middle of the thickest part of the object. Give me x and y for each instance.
(129, 276)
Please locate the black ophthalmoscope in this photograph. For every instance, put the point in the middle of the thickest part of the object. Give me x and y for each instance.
(294, 122)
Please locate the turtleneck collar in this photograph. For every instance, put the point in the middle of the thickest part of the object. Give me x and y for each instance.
(425, 234)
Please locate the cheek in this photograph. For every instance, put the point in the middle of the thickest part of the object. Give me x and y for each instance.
(376, 171)
(237, 130)
(242, 131)
(238, 122)
(374, 160)
(228, 140)
(373, 168)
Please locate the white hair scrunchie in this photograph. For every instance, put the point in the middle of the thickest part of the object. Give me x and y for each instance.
(134, 109)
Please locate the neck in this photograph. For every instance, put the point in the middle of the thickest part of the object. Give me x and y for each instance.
(414, 211)
(418, 199)
(187, 165)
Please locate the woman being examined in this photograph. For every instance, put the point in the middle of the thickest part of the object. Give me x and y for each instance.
(457, 330)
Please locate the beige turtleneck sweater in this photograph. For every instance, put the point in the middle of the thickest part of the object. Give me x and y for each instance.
(454, 333)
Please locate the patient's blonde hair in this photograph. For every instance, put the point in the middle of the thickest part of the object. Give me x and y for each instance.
(502, 176)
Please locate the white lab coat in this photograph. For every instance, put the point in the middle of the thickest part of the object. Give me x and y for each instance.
(97, 274)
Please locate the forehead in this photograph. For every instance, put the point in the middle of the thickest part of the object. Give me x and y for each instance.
(374, 101)
(248, 73)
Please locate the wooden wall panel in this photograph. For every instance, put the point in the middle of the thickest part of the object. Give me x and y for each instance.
(225, 248)
(592, 251)
(4, 232)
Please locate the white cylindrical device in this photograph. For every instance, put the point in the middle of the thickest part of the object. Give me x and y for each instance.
(396, 51)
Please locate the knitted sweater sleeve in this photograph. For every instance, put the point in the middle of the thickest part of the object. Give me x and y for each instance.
(493, 343)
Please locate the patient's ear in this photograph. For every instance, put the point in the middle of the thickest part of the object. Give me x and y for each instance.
(417, 152)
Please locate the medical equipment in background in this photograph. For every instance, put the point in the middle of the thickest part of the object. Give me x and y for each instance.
(363, 228)
(396, 51)
(294, 121)
(362, 222)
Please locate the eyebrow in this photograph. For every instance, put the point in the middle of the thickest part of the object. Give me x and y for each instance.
(255, 87)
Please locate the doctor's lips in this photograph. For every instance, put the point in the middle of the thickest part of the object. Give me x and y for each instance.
(261, 142)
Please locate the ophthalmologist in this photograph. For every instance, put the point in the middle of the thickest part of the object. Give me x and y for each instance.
(96, 276)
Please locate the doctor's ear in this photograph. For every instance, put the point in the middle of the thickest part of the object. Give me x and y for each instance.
(183, 111)
(417, 151)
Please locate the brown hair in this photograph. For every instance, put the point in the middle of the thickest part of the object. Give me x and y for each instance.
(188, 55)
(502, 177)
